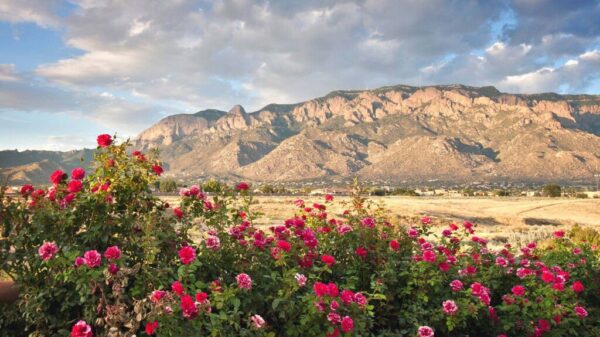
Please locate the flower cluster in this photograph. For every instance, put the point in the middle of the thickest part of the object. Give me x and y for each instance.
(205, 268)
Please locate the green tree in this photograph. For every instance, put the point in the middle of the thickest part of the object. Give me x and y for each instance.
(213, 186)
(502, 193)
(167, 186)
(267, 189)
(552, 190)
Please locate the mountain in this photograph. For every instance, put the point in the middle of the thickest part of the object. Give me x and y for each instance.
(452, 133)
(20, 167)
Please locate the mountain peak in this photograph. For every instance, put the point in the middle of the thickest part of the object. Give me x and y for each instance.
(237, 110)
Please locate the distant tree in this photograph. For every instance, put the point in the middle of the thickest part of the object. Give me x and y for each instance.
(377, 191)
(167, 186)
(405, 192)
(502, 193)
(468, 192)
(280, 189)
(213, 186)
(267, 189)
(552, 190)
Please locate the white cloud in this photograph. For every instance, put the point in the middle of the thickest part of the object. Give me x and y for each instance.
(42, 13)
(139, 62)
(8, 73)
(138, 27)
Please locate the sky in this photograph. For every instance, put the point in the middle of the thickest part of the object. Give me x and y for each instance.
(72, 69)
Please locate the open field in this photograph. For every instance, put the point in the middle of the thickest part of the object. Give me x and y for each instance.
(515, 220)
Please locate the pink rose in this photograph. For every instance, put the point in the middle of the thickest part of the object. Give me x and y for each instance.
(81, 329)
(48, 250)
(449, 307)
(257, 321)
(425, 331)
(244, 281)
(92, 258)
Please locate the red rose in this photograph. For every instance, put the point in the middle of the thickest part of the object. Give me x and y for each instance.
(158, 170)
(284, 245)
(178, 212)
(151, 327)
(188, 307)
(328, 260)
(177, 288)
(78, 173)
(320, 289)
(243, 186)
(104, 140)
(57, 177)
(26, 190)
(518, 290)
(394, 245)
(201, 297)
(74, 186)
(113, 268)
(361, 252)
(578, 286)
(187, 254)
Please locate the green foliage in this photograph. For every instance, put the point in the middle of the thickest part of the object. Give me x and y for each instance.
(552, 190)
(213, 186)
(502, 193)
(167, 186)
(270, 189)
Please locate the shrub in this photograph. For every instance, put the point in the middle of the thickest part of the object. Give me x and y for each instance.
(552, 190)
(107, 256)
(167, 186)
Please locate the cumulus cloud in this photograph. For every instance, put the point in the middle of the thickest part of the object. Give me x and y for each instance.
(41, 13)
(574, 75)
(139, 62)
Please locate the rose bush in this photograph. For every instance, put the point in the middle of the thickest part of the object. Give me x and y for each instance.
(97, 254)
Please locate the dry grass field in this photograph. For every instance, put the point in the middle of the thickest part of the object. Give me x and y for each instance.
(515, 220)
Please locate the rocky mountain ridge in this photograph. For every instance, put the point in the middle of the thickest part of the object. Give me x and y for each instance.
(400, 133)
(453, 133)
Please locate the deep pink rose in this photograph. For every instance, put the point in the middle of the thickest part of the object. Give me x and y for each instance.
(92, 258)
(187, 254)
(81, 329)
(347, 324)
(112, 253)
(48, 250)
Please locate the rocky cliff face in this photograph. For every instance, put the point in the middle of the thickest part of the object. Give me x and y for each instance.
(399, 133)
(403, 133)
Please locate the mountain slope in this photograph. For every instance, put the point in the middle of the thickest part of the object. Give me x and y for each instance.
(398, 133)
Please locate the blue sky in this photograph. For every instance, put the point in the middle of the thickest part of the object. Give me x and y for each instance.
(72, 69)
